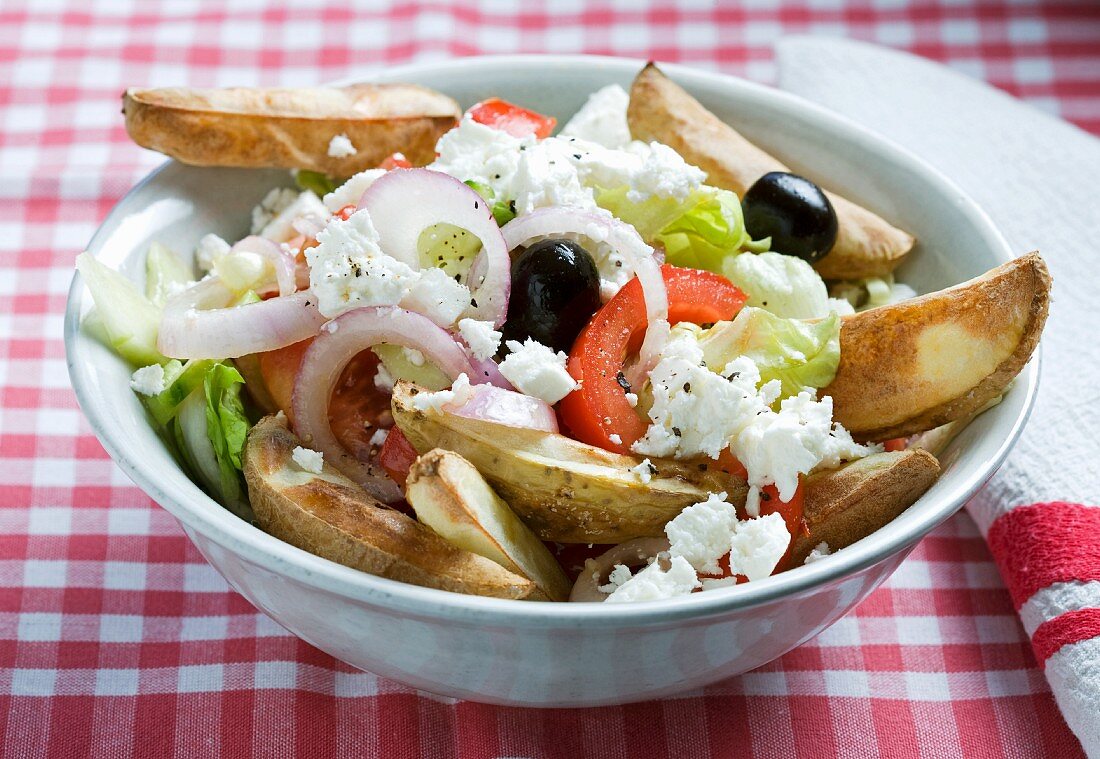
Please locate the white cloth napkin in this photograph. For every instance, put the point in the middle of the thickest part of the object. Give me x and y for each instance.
(1039, 180)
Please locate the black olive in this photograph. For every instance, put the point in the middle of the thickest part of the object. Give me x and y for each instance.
(555, 291)
(794, 212)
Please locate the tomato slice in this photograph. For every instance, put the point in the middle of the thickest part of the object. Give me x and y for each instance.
(357, 409)
(510, 118)
(896, 444)
(397, 456)
(395, 161)
(598, 409)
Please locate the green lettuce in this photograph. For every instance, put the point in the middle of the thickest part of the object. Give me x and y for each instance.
(800, 354)
(128, 319)
(699, 232)
(226, 428)
(320, 184)
(164, 272)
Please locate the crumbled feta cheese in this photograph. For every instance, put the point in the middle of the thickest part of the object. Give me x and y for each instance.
(413, 356)
(340, 147)
(699, 412)
(148, 380)
(484, 341)
(602, 118)
(537, 370)
(655, 583)
(276, 200)
(379, 437)
(702, 533)
(461, 391)
(383, 380)
(350, 191)
(758, 545)
(615, 439)
(618, 576)
(819, 552)
(632, 399)
(561, 171)
(311, 461)
(644, 471)
(347, 268)
(437, 296)
(281, 227)
(209, 250)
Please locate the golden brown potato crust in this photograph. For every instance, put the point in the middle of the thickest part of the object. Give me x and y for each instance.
(332, 517)
(290, 128)
(918, 364)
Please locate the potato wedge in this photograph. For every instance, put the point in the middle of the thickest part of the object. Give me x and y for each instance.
(290, 128)
(332, 517)
(914, 365)
(661, 110)
(847, 504)
(451, 497)
(563, 489)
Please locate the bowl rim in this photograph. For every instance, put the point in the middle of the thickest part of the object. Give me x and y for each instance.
(250, 543)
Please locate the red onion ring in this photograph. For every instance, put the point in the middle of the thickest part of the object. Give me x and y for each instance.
(273, 252)
(337, 344)
(197, 324)
(488, 372)
(632, 553)
(507, 407)
(405, 202)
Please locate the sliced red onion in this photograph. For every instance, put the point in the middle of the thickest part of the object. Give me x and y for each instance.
(280, 259)
(405, 202)
(488, 373)
(494, 404)
(337, 344)
(197, 323)
(632, 553)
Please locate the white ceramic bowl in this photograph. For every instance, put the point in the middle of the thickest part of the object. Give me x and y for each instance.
(553, 654)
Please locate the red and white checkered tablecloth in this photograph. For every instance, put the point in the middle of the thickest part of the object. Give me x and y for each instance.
(118, 640)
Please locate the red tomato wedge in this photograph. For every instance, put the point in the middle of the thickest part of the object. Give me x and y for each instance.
(510, 118)
(397, 456)
(896, 444)
(598, 409)
(357, 408)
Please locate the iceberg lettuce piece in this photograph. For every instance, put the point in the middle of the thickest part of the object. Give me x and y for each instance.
(698, 232)
(801, 355)
(165, 274)
(128, 319)
(226, 428)
(785, 285)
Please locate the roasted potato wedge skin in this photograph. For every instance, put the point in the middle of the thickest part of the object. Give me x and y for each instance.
(562, 489)
(290, 128)
(332, 517)
(918, 364)
(451, 496)
(661, 110)
(847, 504)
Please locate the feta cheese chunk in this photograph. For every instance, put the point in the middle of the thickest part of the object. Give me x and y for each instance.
(644, 471)
(702, 533)
(274, 203)
(602, 118)
(537, 370)
(460, 392)
(340, 147)
(378, 439)
(347, 268)
(437, 296)
(148, 380)
(311, 461)
(655, 583)
(350, 191)
(209, 250)
(819, 552)
(758, 545)
(618, 576)
(484, 341)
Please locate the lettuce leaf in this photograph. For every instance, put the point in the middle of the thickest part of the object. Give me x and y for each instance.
(785, 285)
(321, 184)
(226, 427)
(699, 232)
(799, 354)
(164, 272)
(128, 319)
